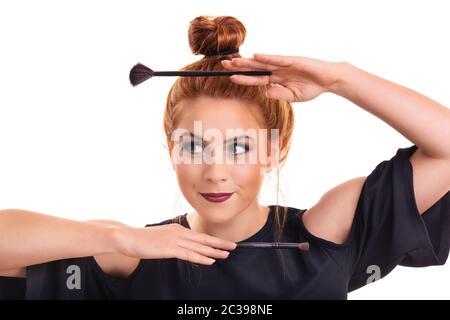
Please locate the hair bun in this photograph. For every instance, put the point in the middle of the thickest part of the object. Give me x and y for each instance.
(211, 35)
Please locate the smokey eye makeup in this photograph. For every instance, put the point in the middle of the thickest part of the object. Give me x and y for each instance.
(235, 148)
(192, 147)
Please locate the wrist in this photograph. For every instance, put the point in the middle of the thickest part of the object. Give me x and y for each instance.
(116, 234)
(110, 237)
(343, 71)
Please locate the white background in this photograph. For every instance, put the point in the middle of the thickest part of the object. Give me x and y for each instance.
(77, 141)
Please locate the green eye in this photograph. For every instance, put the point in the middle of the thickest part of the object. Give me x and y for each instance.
(192, 147)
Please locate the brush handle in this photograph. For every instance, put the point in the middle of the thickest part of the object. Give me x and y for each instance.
(280, 245)
(210, 73)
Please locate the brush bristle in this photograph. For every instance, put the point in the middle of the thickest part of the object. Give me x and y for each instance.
(139, 73)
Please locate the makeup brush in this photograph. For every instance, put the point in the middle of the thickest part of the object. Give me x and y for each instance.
(139, 73)
(275, 245)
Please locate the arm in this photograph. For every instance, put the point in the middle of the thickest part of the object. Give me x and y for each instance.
(114, 264)
(420, 119)
(28, 238)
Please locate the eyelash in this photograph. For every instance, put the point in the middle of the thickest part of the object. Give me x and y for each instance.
(188, 147)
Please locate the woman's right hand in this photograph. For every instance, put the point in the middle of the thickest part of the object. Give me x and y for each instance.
(171, 241)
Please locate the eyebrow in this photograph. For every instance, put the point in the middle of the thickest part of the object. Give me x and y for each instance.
(200, 138)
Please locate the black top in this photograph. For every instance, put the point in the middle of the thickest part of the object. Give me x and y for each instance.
(387, 231)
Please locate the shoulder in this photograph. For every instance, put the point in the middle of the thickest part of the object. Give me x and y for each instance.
(332, 216)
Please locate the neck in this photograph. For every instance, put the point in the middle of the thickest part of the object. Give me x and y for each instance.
(242, 226)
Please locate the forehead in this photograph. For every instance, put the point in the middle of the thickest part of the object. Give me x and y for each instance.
(220, 113)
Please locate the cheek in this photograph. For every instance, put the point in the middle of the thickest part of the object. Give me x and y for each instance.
(248, 177)
(187, 176)
(251, 175)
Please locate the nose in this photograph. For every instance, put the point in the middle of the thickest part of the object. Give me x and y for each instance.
(216, 173)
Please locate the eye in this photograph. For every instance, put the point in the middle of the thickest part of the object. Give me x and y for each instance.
(193, 147)
(239, 148)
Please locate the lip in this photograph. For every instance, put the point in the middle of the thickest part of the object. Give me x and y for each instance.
(216, 197)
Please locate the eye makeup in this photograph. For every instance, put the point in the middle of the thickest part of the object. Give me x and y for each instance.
(189, 144)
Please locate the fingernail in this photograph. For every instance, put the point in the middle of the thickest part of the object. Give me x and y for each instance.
(304, 246)
(212, 260)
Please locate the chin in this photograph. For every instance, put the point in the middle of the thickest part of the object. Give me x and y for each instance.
(216, 215)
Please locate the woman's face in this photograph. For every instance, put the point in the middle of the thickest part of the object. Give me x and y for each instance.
(226, 161)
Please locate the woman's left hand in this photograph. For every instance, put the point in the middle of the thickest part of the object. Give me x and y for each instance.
(297, 79)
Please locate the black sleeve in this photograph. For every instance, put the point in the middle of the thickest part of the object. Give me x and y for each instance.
(388, 229)
(12, 288)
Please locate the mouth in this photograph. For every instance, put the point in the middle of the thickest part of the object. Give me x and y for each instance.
(216, 197)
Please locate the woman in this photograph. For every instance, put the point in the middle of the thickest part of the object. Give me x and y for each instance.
(356, 233)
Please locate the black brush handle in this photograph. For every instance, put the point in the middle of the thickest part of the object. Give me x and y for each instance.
(210, 73)
(282, 245)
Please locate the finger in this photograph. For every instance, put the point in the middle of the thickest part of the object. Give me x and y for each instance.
(248, 63)
(204, 250)
(211, 241)
(274, 60)
(230, 66)
(280, 93)
(250, 80)
(192, 256)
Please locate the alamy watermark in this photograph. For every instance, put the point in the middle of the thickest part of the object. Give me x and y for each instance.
(375, 273)
(74, 278)
(255, 142)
